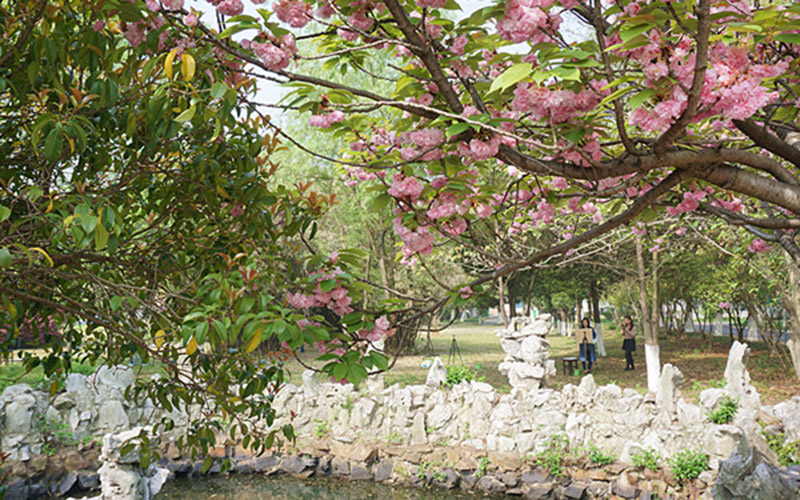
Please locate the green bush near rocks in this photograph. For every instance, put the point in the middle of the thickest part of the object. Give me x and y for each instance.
(647, 459)
(725, 411)
(688, 464)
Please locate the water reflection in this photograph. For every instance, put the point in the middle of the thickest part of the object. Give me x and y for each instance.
(257, 487)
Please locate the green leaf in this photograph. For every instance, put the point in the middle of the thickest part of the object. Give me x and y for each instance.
(4, 213)
(381, 361)
(100, 237)
(5, 257)
(456, 129)
(380, 202)
(511, 76)
(236, 28)
(567, 73)
(639, 99)
(53, 143)
(792, 38)
(327, 285)
(218, 90)
(634, 31)
(187, 114)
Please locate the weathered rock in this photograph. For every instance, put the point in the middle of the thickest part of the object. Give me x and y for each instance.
(293, 465)
(669, 388)
(491, 484)
(575, 490)
(88, 480)
(539, 492)
(360, 473)
(752, 473)
(340, 467)
(437, 374)
(67, 483)
(383, 470)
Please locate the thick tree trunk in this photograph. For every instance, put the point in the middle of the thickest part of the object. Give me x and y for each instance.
(651, 351)
(598, 326)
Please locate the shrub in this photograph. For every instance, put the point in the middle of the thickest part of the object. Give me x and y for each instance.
(483, 464)
(598, 457)
(323, 429)
(788, 451)
(552, 458)
(646, 459)
(725, 411)
(56, 435)
(460, 373)
(688, 464)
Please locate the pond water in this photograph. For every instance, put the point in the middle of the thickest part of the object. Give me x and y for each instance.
(258, 487)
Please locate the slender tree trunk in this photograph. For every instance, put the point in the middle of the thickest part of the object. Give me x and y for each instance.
(651, 350)
(598, 324)
(512, 301)
(791, 302)
(502, 300)
(654, 308)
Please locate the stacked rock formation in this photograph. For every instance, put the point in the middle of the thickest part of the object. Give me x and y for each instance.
(527, 363)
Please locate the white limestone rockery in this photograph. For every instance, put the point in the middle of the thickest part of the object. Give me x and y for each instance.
(527, 363)
(469, 415)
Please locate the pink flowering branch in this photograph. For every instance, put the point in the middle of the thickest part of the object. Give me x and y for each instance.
(703, 12)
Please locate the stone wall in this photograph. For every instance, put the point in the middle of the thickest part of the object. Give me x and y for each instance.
(472, 415)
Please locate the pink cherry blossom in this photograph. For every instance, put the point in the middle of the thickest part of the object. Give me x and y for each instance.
(190, 19)
(134, 34)
(326, 120)
(172, 4)
(405, 187)
(483, 210)
(273, 57)
(724, 305)
(325, 10)
(296, 13)
(758, 246)
(230, 7)
(479, 150)
(459, 43)
(465, 292)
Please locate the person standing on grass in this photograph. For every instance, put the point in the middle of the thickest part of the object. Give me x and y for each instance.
(629, 341)
(587, 351)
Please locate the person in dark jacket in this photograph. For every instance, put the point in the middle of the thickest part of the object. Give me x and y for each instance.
(587, 350)
(628, 341)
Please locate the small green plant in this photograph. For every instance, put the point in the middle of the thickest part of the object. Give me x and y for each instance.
(647, 459)
(599, 457)
(349, 403)
(725, 411)
(424, 467)
(461, 373)
(788, 451)
(55, 435)
(394, 438)
(552, 458)
(483, 464)
(323, 429)
(688, 464)
(444, 443)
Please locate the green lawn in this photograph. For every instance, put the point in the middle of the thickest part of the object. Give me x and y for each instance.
(702, 362)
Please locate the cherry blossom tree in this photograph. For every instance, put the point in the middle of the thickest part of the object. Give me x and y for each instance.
(676, 106)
